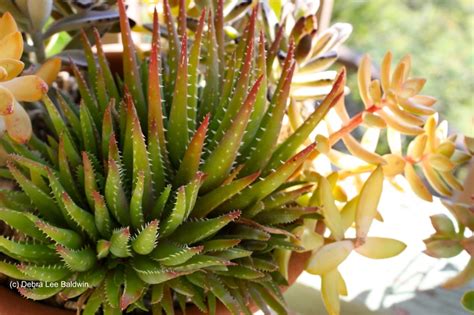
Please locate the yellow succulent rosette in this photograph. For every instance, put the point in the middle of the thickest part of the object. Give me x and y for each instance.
(13, 89)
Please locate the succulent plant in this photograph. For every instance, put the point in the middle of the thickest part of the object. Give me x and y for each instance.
(154, 195)
(13, 89)
(61, 37)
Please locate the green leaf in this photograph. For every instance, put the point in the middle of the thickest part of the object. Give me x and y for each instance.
(177, 214)
(44, 203)
(10, 270)
(87, 96)
(133, 290)
(65, 174)
(194, 57)
(88, 129)
(157, 210)
(219, 244)
(192, 157)
(211, 92)
(219, 163)
(62, 236)
(101, 214)
(194, 231)
(47, 273)
(174, 49)
(178, 134)
(220, 291)
(293, 142)
(210, 201)
(267, 136)
(130, 65)
(113, 287)
(105, 69)
(82, 218)
(145, 241)
(23, 222)
(94, 302)
(115, 194)
(141, 163)
(39, 293)
(28, 252)
(136, 209)
(119, 242)
(90, 182)
(171, 254)
(77, 260)
(269, 184)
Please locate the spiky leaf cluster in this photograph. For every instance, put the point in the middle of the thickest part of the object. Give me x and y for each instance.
(167, 187)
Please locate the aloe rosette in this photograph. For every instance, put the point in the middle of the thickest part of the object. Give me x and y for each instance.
(167, 187)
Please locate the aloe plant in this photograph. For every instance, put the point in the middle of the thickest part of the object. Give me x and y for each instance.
(145, 190)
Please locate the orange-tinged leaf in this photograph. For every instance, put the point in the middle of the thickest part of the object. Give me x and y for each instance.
(330, 292)
(28, 88)
(368, 201)
(416, 183)
(7, 101)
(12, 67)
(328, 257)
(7, 25)
(49, 70)
(11, 46)
(18, 124)
(380, 247)
(332, 217)
(192, 157)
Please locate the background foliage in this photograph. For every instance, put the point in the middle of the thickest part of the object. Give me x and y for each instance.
(439, 34)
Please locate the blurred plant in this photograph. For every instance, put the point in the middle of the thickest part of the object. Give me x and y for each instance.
(449, 241)
(14, 89)
(46, 22)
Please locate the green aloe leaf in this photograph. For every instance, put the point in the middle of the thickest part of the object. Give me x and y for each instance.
(85, 220)
(159, 206)
(23, 222)
(136, 208)
(267, 136)
(45, 272)
(178, 134)
(130, 65)
(77, 260)
(171, 254)
(102, 216)
(39, 293)
(44, 203)
(290, 145)
(11, 270)
(66, 175)
(194, 57)
(194, 231)
(177, 214)
(115, 194)
(120, 243)
(146, 239)
(269, 184)
(105, 69)
(133, 289)
(174, 49)
(192, 157)
(62, 236)
(217, 166)
(28, 252)
(211, 93)
(210, 201)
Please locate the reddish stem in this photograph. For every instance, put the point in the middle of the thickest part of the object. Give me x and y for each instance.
(353, 123)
